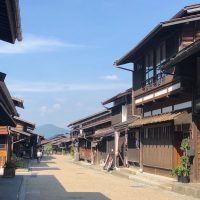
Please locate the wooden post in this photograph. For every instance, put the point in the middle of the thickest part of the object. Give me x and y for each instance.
(141, 152)
(125, 148)
(92, 155)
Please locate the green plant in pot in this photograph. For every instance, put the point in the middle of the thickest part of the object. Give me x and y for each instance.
(182, 171)
(178, 172)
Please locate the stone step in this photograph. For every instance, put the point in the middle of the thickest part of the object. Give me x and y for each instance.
(187, 189)
(128, 171)
(143, 180)
(154, 177)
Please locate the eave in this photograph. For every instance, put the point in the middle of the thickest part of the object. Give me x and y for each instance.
(18, 102)
(29, 125)
(10, 23)
(129, 91)
(163, 26)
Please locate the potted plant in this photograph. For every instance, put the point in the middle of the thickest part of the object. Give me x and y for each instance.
(182, 171)
(9, 170)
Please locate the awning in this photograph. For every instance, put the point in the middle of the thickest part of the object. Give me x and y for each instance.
(30, 125)
(179, 117)
(123, 125)
(185, 118)
(104, 133)
(14, 130)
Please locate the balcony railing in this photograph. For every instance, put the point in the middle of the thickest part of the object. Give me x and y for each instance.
(154, 81)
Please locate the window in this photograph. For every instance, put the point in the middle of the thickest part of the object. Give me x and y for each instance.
(146, 133)
(124, 113)
(149, 67)
(183, 105)
(147, 114)
(160, 56)
(157, 133)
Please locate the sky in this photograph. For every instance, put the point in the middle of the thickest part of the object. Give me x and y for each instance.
(63, 69)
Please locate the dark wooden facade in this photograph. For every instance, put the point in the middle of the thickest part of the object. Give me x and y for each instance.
(10, 24)
(123, 115)
(86, 133)
(166, 87)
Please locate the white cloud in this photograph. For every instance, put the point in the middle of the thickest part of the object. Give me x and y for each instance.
(110, 77)
(56, 106)
(47, 87)
(35, 44)
(49, 109)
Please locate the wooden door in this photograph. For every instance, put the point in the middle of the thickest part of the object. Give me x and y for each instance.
(178, 136)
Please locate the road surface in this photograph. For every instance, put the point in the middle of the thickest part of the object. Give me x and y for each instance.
(58, 178)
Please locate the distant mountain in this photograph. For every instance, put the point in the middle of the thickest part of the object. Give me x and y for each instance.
(49, 130)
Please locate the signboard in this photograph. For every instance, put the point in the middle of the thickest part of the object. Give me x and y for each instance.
(108, 163)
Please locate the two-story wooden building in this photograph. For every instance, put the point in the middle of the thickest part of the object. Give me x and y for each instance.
(166, 88)
(18, 138)
(92, 136)
(126, 140)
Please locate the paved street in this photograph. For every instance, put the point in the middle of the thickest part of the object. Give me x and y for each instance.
(59, 178)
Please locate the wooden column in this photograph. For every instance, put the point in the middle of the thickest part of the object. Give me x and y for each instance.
(141, 150)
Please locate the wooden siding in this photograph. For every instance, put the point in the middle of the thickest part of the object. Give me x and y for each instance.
(133, 155)
(116, 118)
(158, 156)
(129, 110)
(85, 154)
(187, 36)
(157, 151)
(105, 147)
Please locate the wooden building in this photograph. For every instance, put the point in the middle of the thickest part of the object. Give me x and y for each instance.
(18, 138)
(10, 30)
(167, 88)
(87, 134)
(23, 139)
(7, 113)
(126, 150)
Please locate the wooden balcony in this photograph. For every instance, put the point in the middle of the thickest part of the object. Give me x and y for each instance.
(153, 85)
(161, 88)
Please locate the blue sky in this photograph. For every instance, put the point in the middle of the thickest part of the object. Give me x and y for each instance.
(63, 68)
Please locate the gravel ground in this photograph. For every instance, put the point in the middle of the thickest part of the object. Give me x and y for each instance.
(59, 178)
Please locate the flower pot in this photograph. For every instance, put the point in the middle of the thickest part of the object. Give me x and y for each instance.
(179, 178)
(185, 179)
(9, 172)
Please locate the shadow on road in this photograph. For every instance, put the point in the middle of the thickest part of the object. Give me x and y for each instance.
(42, 187)
(44, 168)
(10, 187)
